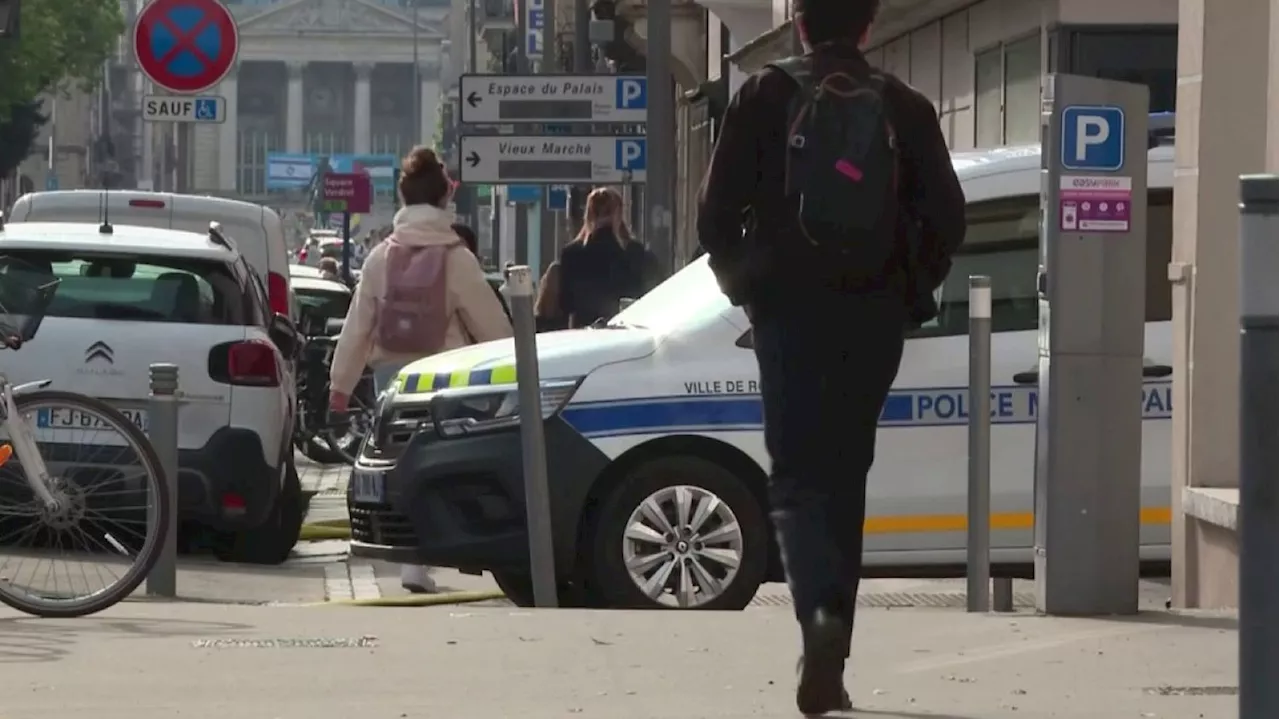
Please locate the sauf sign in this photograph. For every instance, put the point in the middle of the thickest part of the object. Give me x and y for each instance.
(1093, 138)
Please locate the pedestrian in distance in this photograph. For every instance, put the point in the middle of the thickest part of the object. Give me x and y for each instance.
(472, 242)
(420, 292)
(328, 268)
(830, 212)
(602, 265)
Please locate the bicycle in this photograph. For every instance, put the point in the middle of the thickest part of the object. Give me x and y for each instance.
(65, 497)
(321, 435)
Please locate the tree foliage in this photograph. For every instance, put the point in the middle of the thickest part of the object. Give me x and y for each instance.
(61, 41)
(19, 134)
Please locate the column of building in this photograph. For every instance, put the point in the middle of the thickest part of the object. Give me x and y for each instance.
(1223, 113)
(362, 142)
(293, 141)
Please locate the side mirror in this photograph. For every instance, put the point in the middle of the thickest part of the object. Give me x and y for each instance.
(284, 334)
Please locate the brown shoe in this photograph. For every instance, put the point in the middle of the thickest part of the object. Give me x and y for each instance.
(821, 683)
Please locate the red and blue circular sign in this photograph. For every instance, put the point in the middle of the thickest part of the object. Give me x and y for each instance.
(185, 46)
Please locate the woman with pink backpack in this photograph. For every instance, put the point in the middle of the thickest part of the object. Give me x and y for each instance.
(421, 291)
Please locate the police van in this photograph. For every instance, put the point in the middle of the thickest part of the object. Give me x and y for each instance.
(655, 448)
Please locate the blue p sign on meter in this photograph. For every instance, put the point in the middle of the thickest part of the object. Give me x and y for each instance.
(1093, 138)
(631, 93)
(631, 155)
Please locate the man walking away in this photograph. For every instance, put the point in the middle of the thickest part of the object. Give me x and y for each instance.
(830, 212)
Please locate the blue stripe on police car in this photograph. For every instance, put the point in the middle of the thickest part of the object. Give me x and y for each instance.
(916, 407)
(1009, 405)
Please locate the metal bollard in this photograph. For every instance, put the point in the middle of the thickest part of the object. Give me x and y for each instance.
(1002, 594)
(537, 496)
(162, 430)
(978, 588)
(1259, 253)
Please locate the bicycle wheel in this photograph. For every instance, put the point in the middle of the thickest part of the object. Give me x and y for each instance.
(97, 545)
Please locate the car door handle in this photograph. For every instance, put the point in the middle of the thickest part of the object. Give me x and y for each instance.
(1150, 371)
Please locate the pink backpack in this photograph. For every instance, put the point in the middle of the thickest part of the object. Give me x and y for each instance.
(414, 314)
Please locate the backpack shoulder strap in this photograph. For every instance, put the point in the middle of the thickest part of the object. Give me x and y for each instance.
(797, 67)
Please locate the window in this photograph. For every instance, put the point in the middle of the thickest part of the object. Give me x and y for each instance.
(115, 287)
(1007, 82)
(1144, 55)
(988, 98)
(320, 306)
(1003, 243)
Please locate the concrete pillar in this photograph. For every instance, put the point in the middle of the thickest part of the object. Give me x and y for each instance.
(229, 133)
(1223, 110)
(294, 108)
(745, 24)
(363, 140)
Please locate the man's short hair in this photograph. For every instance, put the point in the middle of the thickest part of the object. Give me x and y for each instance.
(828, 20)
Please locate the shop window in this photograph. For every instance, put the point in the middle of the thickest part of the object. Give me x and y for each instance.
(1007, 82)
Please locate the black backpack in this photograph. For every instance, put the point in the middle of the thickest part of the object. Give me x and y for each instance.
(841, 167)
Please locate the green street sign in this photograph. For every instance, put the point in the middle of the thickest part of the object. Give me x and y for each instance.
(334, 205)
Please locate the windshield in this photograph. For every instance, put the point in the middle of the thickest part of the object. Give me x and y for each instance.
(104, 286)
(689, 296)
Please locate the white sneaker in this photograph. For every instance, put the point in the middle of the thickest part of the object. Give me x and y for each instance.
(414, 577)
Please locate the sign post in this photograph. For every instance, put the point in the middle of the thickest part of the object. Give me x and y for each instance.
(1092, 297)
(349, 193)
(185, 47)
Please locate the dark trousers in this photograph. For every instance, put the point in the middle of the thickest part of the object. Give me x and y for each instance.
(825, 371)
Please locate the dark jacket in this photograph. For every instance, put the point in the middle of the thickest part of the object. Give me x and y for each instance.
(596, 274)
(748, 225)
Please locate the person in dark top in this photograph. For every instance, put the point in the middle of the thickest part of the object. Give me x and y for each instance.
(602, 265)
(828, 342)
(469, 239)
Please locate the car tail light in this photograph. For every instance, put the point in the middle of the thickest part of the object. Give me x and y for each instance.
(278, 293)
(252, 363)
(148, 204)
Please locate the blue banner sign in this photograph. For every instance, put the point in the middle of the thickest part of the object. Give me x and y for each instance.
(294, 171)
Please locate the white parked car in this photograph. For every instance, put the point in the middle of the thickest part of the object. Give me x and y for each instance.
(132, 296)
(257, 231)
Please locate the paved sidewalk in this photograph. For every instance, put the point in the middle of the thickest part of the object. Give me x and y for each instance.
(159, 661)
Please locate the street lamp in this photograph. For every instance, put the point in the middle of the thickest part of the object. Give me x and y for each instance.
(417, 75)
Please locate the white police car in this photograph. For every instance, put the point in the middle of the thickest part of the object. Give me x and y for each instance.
(131, 296)
(655, 422)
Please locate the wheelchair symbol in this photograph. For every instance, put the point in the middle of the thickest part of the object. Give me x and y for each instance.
(206, 109)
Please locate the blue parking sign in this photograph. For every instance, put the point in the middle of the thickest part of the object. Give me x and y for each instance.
(630, 154)
(631, 93)
(1093, 138)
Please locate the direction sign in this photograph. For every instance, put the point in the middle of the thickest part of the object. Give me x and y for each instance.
(491, 99)
(185, 46)
(545, 160)
(184, 108)
(347, 192)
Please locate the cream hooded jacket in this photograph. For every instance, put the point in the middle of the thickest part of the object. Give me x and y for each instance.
(475, 315)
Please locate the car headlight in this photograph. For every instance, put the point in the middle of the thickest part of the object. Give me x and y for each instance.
(485, 409)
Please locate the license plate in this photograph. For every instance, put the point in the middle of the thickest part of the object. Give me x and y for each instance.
(368, 487)
(71, 419)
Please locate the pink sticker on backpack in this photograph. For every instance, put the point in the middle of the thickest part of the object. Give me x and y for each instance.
(846, 168)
